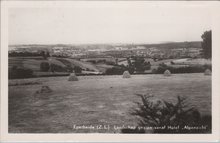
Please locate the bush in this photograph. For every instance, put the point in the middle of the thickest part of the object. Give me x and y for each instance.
(16, 72)
(168, 114)
(44, 66)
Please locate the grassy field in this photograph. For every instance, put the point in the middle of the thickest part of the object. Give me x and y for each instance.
(33, 63)
(96, 100)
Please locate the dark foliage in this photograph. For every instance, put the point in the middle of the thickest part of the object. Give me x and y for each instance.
(187, 69)
(138, 64)
(168, 114)
(15, 73)
(110, 63)
(57, 68)
(92, 61)
(116, 70)
(207, 44)
(44, 54)
(23, 54)
(44, 66)
(60, 56)
(77, 69)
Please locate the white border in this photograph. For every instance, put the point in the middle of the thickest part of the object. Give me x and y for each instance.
(6, 137)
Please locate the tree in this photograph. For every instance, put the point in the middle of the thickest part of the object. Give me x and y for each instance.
(77, 69)
(47, 54)
(130, 66)
(140, 65)
(207, 44)
(44, 54)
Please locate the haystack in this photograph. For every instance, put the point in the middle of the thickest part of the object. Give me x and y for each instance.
(167, 73)
(126, 74)
(73, 77)
(208, 72)
(45, 89)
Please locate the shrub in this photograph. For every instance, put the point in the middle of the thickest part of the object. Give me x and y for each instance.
(168, 114)
(16, 72)
(44, 66)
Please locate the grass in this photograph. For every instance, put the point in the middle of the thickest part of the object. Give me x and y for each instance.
(32, 63)
(84, 65)
(96, 100)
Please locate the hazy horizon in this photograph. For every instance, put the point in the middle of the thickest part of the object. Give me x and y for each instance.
(108, 23)
(165, 42)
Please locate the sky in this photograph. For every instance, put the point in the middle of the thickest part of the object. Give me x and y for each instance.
(113, 22)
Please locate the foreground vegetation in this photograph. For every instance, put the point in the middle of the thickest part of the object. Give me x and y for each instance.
(168, 117)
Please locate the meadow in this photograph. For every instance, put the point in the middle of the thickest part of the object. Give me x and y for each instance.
(96, 100)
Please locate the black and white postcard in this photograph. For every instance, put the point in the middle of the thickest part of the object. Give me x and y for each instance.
(110, 71)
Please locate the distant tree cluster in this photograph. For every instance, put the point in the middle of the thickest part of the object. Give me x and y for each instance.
(116, 70)
(187, 69)
(139, 64)
(23, 54)
(44, 54)
(207, 44)
(77, 69)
